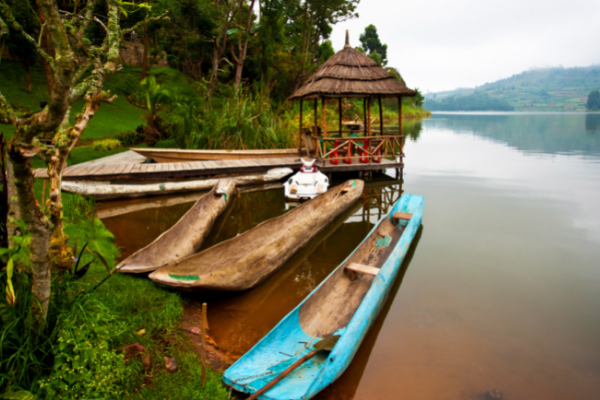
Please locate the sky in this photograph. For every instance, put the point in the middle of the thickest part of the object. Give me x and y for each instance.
(445, 44)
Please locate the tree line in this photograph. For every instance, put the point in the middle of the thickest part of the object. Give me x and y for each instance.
(277, 43)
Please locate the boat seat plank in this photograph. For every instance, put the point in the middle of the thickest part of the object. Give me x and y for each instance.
(354, 269)
(397, 216)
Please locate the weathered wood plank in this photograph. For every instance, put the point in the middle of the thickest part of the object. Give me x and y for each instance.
(354, 269)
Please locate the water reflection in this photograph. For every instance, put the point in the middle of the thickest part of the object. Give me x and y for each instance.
(592, 122)
(548, 133)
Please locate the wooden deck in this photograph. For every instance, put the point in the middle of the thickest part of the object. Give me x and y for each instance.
(131, 166)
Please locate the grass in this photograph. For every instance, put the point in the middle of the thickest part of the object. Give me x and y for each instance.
(110, 119)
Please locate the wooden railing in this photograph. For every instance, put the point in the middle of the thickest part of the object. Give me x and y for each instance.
(351, 149)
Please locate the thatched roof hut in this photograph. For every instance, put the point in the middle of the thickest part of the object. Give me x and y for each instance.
(350, 73)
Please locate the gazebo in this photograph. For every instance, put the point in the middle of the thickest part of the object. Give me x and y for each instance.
(351, 74)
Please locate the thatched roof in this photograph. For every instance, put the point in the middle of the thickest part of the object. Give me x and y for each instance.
(350, 73)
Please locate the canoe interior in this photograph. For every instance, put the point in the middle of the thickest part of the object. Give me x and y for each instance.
(246, 260)
(338, 306)
(332, 306)
(186, 236)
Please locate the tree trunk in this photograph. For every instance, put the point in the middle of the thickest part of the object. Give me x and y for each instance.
(21, 180)
(145, 55)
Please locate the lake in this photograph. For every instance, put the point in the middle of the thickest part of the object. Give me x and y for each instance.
(501, 288)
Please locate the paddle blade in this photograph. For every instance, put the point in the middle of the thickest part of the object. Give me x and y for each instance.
(327, 344)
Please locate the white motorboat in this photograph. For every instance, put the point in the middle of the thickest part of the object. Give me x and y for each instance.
(306, 184)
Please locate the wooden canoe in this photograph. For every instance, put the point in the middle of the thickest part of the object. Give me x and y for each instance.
(345, 304)
(179, 155)
(186, 236)
(109, 191)
(248, 259)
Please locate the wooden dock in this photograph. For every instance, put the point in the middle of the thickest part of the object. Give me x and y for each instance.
(131, 166)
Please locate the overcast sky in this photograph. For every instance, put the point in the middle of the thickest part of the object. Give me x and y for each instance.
(445, 44)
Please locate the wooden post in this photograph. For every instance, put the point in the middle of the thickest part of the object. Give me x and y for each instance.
(368, 143)
(380, 116)
(203, 330)
(300, 132)
(316, 133)
(315, 130)
(340, 115)
(324, 122)
(400, 125)
(365, 116)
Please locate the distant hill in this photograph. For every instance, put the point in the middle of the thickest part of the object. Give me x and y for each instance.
(543, 89)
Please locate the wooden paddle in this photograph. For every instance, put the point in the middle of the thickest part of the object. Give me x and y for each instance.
(322, 345)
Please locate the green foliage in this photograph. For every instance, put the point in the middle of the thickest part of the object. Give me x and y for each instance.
(85, 365)
(593, 101)
(106, 144)
(325, 51)
(186, 382)
(250, 122)
(372, 46)
(128, 138)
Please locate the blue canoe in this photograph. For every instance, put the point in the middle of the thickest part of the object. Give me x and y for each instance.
(345, 304)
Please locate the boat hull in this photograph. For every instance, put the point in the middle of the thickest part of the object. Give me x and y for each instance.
(108, 191)
(305, 324)
(186, 236)
(177, 155)
(248, 259)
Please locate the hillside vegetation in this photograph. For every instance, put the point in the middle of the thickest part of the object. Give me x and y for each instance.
(547, 89)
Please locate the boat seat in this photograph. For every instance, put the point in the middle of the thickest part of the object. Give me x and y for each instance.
(354, 269)
(397, 216)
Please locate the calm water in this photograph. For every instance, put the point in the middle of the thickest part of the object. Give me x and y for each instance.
(501, 288)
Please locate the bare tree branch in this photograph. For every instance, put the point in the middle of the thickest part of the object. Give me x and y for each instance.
(101, 24)
(163, 16)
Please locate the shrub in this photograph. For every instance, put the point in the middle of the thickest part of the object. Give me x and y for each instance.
(85, 366)
(128, 138)
(106, 144)
(248, 122)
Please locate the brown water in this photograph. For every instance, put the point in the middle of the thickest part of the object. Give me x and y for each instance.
(502, 285)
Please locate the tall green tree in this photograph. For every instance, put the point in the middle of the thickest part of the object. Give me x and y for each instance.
(372, 46)
(593, 101)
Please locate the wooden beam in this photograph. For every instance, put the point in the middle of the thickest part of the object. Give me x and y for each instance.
(354, 269)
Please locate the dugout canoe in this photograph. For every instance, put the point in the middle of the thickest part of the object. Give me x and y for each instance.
(179, 155)
(186, 236)
(345, 304)
(110, 191)
(248, 259)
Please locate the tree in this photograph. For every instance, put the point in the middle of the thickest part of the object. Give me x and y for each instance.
(75, 56)
(243, 34)
(593, 101)
(325, 51)
(372, 46)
